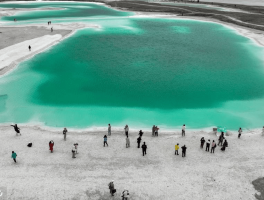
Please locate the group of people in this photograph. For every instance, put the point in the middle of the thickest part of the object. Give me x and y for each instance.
(155, 130)
(125, 193)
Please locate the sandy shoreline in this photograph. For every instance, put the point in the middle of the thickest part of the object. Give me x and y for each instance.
(159, 175)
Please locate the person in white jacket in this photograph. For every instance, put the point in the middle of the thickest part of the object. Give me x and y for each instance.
(73, 151)
(126, 130)
(125, 194)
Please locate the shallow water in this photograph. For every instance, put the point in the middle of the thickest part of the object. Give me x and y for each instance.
(139, 71)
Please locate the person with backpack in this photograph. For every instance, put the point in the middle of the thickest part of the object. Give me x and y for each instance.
(184, 150)
(105, 140)
(126, 130)
(207, 145)
(64, 133)
(14, 155)
(73, 151)
(125, 194)
(16, 129)
(183, 130)
(140, 133)
(144, 148)
(202, 142)
(224, 145)
(239, 132)
(213, 146)
(127, 142)
(112, 188)
(176, 149)
(109, 129)
(51, 144)
(138, 141)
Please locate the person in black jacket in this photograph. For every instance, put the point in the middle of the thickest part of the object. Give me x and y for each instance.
(184, 150)
(144, 149)
(16, 129)
(207, 145)
(138, 141)
(224, 145)
(202, 142)
(140, 133)
(220, 139)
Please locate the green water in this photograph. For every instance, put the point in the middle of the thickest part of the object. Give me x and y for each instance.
(139, 71)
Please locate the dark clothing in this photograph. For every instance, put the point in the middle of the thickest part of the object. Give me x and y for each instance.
(183, 132)
(207, 147)
(105, 142)
(144, 149)
(16, 128)
(176, 152)
(183, 151)
(14, 160)
(138, 141)
(140, 133)
(224, 146)
(239, 135)
(127, 133)
(202, 143)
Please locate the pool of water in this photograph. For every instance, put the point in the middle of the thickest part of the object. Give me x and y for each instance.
(136, 71)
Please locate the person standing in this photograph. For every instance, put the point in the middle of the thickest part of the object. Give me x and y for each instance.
(202, 142)
(176, 149)
(126, 130)
(76, 148)
(105, 140)
(140, 133)
(184, 150)
(224, 145)
(65, 133)
(29, 47)
(127, 142)
(111, 187)
(144, 148)
(156, 131)
(220, 139)
(51, 29)
(183, 130)
(14, 155)
(153, 130)
(73, 151)
(125, 194)
(239, 132)
(138, 141)
(109, 129)
(207, 146)
(51, 144)
(213, 146)
(16, 129)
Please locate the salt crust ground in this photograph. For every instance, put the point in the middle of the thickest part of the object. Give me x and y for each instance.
(160, 174)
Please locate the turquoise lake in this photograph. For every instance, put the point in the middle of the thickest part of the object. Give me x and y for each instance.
(134, 70)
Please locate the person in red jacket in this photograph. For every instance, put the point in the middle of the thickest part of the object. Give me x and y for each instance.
(51, 144)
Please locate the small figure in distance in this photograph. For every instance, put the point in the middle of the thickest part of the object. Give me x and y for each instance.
(156, 131)
(140, 133)
(51, 29)
(138, 141)
(76, 148)
(16, 129)
(111, 187)
(65, 133)
(73, 151)
(224, 145)
(126, 130)
(29, 47)
(213, 146)
(176, 149)
(207, 145)
(202, 142)
(14, 155)
(109, 129)
(144, 148)
(184, 150)
(239, 132)
(127, 142)
(153, 130)
(105, 140)
(220, 139)
(183, 130)
(51, 144)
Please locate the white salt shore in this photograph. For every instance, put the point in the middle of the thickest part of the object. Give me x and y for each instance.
(39, 174)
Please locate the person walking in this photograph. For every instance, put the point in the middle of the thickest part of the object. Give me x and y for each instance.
(14, 155)
(207, 145)
(112, 188)
(138, 141)
(127, 142)
(184, 150)
(224, 145)
(140, 133)
(105, 140)
(51, 144)
(183, 130)
(125, 194)
(73, 151)
(239, 132)
(153, 130)
(16, 129)
(109, 129)
(220, 139)
(144, 148)
(126, 130)
(213, 146)
(65, 133)
(176, 149)
(202, 142)
(29, 47)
